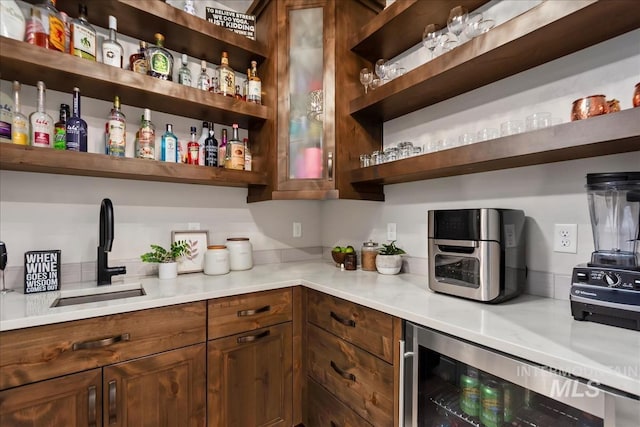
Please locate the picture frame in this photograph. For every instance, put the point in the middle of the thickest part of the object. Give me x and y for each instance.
(198, 240)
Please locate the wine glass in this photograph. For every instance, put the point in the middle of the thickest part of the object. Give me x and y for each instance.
(430, 38)
(457, 21)
(366, 77)
(381, 69)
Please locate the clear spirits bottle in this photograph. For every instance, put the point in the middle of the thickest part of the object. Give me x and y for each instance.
(193, 148)
(203, 78)
(169, 144)
(234, 156)
(76, 126)
(35, 33)
(247, 155)
(184, 73)
(211, 148)
(53, 25)
(41, 124)
(227, 77)
(201, 140)
(160, 60)
(146, 138)
(190, 7)
(83, 36)
(116, 131)
(254, 93)
(60, 129)
(222, 149)
(112, 52)
(19, 122)
(138, 61)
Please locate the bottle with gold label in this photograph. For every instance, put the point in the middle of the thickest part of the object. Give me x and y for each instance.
(138, 61)
(53, 25)
(19, 122)
(254, 89)
(159, 60)
(116, 131)
(227, 77)
(234, 156)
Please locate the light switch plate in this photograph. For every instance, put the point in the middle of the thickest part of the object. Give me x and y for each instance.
(391, 231)
(297, 229)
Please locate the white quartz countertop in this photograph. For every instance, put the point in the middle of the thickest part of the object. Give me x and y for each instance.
(539, 330)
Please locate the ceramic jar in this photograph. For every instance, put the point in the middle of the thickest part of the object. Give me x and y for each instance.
(240, 253)
(216, 260)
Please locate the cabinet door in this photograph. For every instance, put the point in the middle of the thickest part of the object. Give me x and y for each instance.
(250, 380)
(167, 389)
(72, 400)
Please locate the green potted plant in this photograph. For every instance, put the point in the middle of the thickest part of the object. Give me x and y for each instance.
(389, 259)
(167, 259)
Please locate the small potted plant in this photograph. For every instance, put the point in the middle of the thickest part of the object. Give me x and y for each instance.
(167, 259)
(389, 259)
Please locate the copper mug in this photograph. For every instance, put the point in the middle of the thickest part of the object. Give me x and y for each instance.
(636, 96)
(590, 106)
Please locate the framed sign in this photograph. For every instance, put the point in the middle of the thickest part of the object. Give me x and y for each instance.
(237, 22)
(41, 271)
(197, 241)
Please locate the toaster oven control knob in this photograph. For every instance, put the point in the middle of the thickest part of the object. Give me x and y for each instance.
(611, 279)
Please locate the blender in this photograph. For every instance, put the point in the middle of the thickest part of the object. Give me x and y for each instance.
(607, 289)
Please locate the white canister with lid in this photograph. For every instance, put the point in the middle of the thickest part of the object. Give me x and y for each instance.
(240, 253)
(216, 260)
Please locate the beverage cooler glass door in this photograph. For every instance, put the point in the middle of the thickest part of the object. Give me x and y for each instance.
(448, 382)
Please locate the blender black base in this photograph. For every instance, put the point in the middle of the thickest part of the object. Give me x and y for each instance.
(606, 315)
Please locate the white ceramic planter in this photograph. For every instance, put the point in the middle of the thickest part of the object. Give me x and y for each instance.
(388, 264)
(167, 270)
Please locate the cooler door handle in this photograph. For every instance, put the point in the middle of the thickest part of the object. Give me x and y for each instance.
(330, 165)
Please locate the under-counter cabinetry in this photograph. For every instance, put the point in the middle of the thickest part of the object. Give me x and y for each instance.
(100, 371)
(352, 356)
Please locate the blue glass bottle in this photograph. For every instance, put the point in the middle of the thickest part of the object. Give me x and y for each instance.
(76, 127)
(169, 142)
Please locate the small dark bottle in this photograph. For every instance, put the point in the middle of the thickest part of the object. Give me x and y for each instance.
(76, 126)
(60, 129)
(211, 149)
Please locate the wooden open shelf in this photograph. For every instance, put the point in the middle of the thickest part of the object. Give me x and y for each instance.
(46, 160)
(183, 33)
(597, 136)
(548, 31)
(400, 26)
(28, 64)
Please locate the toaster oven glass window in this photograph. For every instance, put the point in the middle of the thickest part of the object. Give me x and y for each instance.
(457, 270)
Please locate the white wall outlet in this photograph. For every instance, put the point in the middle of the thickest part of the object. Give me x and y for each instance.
(193, 226)
(391, 231)
(297, 229)
(565, 238)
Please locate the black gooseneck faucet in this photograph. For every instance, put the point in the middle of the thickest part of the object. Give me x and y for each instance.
(106, 240)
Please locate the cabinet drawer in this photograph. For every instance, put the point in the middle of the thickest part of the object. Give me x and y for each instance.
(327, 411)
(360, 380)
(242, 313)
(42, 352)
(367, 328)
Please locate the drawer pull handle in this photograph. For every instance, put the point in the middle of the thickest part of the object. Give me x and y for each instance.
(252, 338)
(92, 414)
(112, 402)
(244, 313)
(346, 322)
(343, 374)
(100, 343)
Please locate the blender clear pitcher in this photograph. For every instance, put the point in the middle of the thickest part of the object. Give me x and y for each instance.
(614, 207)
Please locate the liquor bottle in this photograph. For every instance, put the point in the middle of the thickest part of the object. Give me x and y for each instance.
(222, 149)
(211, 149)
(160, 60)
(53, 25)
(189, 7)
(83, 36)
(40, 123)
(227, 78)
(112, 51)
(35, 33)
(146, 138)
(184, 73)
(254, 93)
(193, 148)
(234, 155)
(203, 78)
(238, 93)
(60, 129)
(138, 60)
(76, 127)
(245, 88)
(169, 142)
(19, 122)
(203, 137)
(247, 155)
(115, 131)
(66, 21)
(6, 116)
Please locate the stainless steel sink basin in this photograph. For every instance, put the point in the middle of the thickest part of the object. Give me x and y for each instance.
(84, 296)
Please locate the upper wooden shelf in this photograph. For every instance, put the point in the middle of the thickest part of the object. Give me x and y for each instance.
(548, 31)
(47, 160)
(400, 26)
(184, 33)
(597, 136)
(28, 64)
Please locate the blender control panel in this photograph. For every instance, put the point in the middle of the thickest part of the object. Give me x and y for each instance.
(608, 278)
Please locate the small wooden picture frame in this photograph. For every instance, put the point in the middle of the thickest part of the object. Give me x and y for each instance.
(42, 271)
(197, 240)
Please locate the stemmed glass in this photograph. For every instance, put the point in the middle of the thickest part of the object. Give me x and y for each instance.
(381, 69)
(431, 38)
(366, 77)
(457, 21)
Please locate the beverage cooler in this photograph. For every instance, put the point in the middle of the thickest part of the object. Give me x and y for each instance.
(447, 382)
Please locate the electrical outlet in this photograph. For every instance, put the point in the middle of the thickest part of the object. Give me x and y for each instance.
(297, 229)
(391, 231)
(565, 238)
(193, 226)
